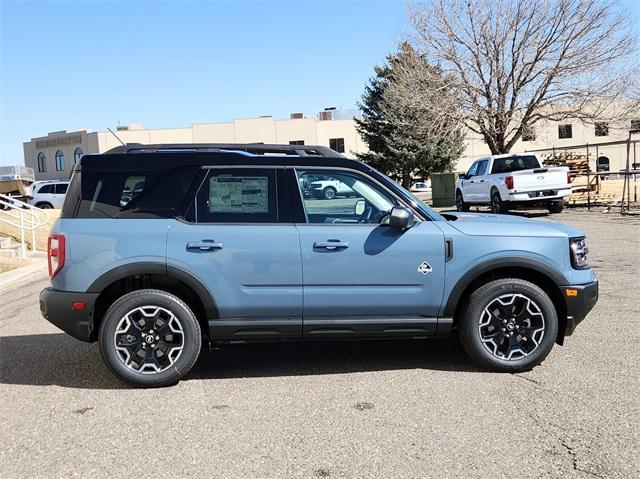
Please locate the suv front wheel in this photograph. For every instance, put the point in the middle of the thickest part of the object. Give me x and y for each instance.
(150, 338)
(509, 325)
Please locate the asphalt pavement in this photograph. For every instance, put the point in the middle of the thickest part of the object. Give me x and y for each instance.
(335, 410)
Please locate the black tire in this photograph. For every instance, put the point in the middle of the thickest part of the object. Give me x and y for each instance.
(481, 332)
(44, 206)
(556, 206)
(190, 338)
(460, 204)
(329, 193)
(498, 207)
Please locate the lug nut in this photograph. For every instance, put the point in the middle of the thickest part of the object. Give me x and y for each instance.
(504, 321)
(502, 329)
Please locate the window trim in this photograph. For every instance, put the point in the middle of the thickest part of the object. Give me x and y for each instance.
(417, 215)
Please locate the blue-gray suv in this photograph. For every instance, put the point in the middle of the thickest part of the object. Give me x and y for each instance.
(161, 248)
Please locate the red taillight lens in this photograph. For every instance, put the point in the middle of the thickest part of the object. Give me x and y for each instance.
(508, 181)
(55, 254)
(569, 178)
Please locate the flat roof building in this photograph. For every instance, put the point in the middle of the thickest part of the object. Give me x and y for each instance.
(53, 156)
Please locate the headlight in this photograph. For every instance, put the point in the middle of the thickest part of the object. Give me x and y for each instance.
(578, 250)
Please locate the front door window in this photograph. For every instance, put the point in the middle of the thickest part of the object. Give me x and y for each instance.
(337, 196)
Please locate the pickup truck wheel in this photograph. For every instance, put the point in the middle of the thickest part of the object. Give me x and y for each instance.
(460, 204)
(497, 205)
(149, 338)
(556, 206)
(329, 193)
(509, 325)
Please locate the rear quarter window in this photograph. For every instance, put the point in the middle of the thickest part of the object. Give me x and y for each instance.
(130, 194)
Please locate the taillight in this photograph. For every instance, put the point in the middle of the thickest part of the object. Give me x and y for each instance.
(508, 181)
(569, 178)
(55, 254)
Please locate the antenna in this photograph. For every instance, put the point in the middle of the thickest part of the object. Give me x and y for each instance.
(111, 131)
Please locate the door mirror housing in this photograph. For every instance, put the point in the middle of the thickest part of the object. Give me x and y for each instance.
(401, 218)
(359, 207)
(462, 176)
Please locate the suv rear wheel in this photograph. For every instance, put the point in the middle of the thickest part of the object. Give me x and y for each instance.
(149, 338)
(329, 193)
(509, 325)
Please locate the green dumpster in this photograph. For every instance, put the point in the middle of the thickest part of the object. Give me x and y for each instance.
(443, 189)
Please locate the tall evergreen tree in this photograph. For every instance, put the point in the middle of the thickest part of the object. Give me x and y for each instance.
(398, 123)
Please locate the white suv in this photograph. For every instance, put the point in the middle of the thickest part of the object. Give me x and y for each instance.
(48, 194)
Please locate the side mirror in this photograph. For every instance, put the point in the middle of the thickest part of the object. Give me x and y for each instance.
(359, 207)
(400, 218)
(462, 176)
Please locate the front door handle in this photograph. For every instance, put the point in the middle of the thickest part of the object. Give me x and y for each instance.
(204, 245)
(331, 244)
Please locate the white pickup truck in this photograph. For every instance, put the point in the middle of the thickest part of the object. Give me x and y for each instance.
(509, 181)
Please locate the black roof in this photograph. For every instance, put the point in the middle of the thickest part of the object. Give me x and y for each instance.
(169, 156)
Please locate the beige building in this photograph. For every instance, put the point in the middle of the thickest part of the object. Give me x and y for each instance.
(53, 156)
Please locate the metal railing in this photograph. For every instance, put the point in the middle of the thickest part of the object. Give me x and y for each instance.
(24, 217)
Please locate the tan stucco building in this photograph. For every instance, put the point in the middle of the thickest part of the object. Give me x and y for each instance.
(53, 156)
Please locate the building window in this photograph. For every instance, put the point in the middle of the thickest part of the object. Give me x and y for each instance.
(337, 144)
(77, 155)
(59, 161)
(602, 129)
(528, 133)
(42, 163)
(565, 131)
(296, 142)
(602, 164)
(635, 125)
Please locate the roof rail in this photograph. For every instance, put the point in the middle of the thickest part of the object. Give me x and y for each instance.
(252, 148)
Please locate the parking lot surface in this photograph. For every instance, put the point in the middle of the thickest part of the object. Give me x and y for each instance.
(371, 409)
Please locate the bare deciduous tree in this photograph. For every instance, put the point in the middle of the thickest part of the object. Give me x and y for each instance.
(517, 62)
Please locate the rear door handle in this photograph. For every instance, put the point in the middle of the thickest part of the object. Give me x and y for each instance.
(331, 244)
(204, 245)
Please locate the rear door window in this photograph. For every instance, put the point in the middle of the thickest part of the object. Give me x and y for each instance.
(46, 189)
(237, 195)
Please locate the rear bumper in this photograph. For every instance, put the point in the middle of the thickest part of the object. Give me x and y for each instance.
(579, 303)
(539, 195)
(55, 307)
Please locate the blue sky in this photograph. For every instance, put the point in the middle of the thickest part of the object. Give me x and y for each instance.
(88, 64)
(69, 65)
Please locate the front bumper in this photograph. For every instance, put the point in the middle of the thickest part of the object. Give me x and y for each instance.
(56, 307)
(580, 299)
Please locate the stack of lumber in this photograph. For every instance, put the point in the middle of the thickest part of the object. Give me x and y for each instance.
(576, 162)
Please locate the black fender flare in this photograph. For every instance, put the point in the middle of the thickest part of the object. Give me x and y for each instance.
(149, 267)
(478, 270)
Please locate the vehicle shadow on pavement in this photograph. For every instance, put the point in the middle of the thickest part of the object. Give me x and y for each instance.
(66, 362)
(331, 357)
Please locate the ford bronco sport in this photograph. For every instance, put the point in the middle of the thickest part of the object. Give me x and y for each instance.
(161, 248)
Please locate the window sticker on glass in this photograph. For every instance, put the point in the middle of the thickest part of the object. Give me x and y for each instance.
(238, 194)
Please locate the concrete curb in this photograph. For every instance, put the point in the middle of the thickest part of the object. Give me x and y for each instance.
(10, 277)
